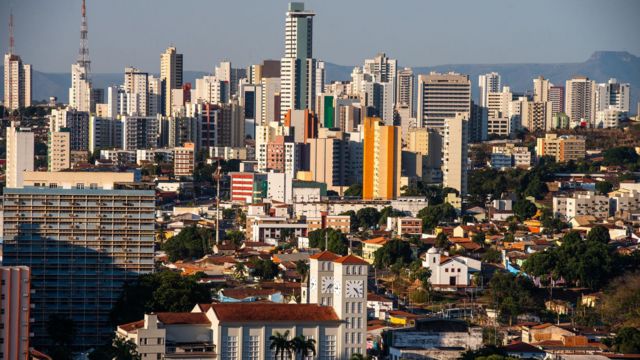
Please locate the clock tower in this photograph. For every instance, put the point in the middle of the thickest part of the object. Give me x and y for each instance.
(350, 302)
(321, 279)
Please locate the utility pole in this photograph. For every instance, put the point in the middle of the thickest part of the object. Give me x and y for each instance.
(216, 176)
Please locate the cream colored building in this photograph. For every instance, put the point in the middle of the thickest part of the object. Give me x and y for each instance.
(454, 155)
(580, 99)
(170, 77)
(76, 179)
(59, 151)
(184, 160)
(17, 82)
(541, 87)
(369, 248)
(19, 155)
(80, 90)
(510, 155)
(442, 96)
(563, 148)
(536, 115)
(581, 203)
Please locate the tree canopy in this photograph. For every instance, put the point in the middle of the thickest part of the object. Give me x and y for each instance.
(524, 209)
(393, 251)
(191, 243)
(336, 240)
(621, 156)
(432, 215)
(513, 295)
(161, 291)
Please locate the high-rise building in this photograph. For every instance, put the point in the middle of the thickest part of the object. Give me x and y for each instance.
(302, 124)
(17, 77)
(330, 160)
(83, 238)
(19, 154)
(377, 99)
(562, 148)
(77, 123)
(441, 97)
(139, 132)
(455, 156)
(16, 307)
(536, 115)
(212, 90)
(382, 69)
(498, 103)
(80, 91)
(580, 100)
(541, 87)
(404, 93)
(556, 96)
(170, 77)
(613, 94)
(184, 159)
(104, 133)
(488, 83)
(271, 99)
(298, 67)
(59, 150)
(381, 163)
(231, 125)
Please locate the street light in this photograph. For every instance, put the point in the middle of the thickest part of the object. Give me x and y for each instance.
(216, 177)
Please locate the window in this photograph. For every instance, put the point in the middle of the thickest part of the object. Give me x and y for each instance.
(230, 348)
(80, 186)
(53, 186)
(328, 348)
(359, 308)
(253, 347)
(310, 354)
(93, 186)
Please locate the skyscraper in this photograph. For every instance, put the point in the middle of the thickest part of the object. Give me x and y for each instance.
(488, 83)
(80, 91)
(541, 87)
(441, 97)
(82, 238)
(404, 92)
(382, 69)
(454, 153)
(612, 94)
(556, 96)
(17, 77)
(297, 67)
(170, 77)
(580, 99)
(381, 163)
(20, 154)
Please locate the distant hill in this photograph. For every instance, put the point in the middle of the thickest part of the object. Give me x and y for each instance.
(601, 66)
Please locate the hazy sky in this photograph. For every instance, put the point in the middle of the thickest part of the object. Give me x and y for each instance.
(416, 32)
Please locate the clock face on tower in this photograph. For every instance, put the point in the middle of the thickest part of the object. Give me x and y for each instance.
(327, 285)
(313, 282)
(354, 289)
(337, 287)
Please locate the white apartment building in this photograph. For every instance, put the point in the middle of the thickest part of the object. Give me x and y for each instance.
(488, 83)
(441, 97)
(581, 203)
(613, 94)
(455, 152)
(610, 117)
(80, 91)
(624, 200)
(17, 82)
(509, 156)
(580, 97)
(19, 155)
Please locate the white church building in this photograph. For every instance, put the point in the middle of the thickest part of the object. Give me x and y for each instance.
(450, 272)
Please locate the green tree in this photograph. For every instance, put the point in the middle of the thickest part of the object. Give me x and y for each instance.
(492, 256)
(620, 156)
(266, 269)
(513, 295)
(536, 188)
(280, 343)
(524, 209)
(161, 291)
(627, 341)
(336, 240)
(479, 238)
(302, 268)
(368, 217)
(442, 241)
(235, 236)
(191, 243)
(621, 301)
(303, 347)
(432, 215)
(125, 349)
(604, 187)
(387, 212)
(239, 271)
(600, 234)
(354, 190)
(393, 251)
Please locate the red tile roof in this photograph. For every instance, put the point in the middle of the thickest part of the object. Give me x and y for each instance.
(129, 327)
(175, 318)
(324, 256)
(351, 260)
(376, 241)
(245, 293)
(261, 312)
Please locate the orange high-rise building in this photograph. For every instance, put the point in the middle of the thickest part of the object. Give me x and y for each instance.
(381, 160)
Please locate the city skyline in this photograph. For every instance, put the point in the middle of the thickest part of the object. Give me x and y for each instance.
(508, 40)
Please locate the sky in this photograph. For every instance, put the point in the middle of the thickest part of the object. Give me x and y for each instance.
(416, 32)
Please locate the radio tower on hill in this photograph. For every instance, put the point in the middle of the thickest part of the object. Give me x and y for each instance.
(83, 55)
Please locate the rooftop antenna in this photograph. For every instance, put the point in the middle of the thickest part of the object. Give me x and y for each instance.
(11, 40)
(83, 54)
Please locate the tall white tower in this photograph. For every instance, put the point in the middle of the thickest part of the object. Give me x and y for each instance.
(17, 77)
(488, 83)
(20, 154)
(297, 67)
(341, 282)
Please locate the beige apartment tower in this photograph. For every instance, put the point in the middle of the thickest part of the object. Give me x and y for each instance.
(454, 153)
(170, 77)
(17, 82)
(59, 150)
(580, 97)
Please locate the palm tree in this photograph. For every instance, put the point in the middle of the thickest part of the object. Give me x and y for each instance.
(358, 357)
(281, 344)
(302, 268)
(239, 270)
(303, 346)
